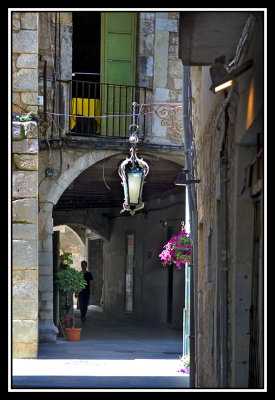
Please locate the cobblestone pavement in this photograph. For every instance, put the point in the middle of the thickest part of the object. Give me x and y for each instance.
(113, 354)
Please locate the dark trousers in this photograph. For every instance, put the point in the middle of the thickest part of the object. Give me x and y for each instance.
(83, 303)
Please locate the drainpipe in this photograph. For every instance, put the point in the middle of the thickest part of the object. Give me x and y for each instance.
(193, 231)
(45, 90)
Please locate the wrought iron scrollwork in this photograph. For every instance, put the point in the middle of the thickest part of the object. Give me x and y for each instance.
(170, 114)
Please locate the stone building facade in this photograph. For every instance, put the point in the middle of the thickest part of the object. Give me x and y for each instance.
(227, 139)
(226, 154)
(42, 67)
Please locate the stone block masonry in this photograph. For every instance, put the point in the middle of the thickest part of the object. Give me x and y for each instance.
(24, 239)
(159, 68)
(25, 62)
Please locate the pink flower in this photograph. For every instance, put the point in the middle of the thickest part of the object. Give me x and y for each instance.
(67, 318)
(177, 250)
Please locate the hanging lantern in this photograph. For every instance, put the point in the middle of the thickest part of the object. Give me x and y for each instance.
(133, 171)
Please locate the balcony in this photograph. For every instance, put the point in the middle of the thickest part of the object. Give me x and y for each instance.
(100, 109)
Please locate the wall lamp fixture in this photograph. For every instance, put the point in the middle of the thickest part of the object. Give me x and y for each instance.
(182, 179)
(222, 78)
(133, 171)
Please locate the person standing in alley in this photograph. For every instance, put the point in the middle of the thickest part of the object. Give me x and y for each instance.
(84, 295)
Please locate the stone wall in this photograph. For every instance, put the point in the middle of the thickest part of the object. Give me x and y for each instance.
(207, 141)
(24, 62)
(150, 278)
(159, 67)
(224, 150)
(25, 239)
(55, 63)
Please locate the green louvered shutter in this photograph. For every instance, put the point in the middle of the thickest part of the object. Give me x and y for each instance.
(118, 66)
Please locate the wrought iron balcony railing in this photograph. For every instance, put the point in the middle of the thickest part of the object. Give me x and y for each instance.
(103, 109)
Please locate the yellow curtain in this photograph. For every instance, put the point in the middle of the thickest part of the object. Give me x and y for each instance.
(91, 108)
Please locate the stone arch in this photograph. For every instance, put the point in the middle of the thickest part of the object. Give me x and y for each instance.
(74, 162)
(81, 219)
(50, 191)
(71, 241)
(80, 240)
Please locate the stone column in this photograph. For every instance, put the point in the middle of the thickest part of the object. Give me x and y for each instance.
(25, 186)
(25, 240)
(47, 329)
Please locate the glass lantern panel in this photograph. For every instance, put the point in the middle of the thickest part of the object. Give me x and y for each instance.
(134, 179)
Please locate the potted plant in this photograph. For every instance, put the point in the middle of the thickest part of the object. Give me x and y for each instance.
(69, 280)
(177, 250)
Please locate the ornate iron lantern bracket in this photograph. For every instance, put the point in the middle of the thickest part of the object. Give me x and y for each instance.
(170, 114)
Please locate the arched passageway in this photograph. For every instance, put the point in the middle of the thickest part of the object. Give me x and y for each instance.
(135, 284)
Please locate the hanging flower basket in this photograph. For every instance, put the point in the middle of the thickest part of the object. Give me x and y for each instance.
(184, 364)
(177, 251)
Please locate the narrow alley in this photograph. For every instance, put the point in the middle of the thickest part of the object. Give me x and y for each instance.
(137, 144)
(113, 353)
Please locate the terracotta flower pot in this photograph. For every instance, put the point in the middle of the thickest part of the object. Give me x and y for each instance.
(73, 334)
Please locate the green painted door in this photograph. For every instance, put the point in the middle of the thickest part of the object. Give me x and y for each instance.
(118, 69)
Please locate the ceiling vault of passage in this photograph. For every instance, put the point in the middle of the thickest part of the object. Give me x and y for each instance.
(99, 186)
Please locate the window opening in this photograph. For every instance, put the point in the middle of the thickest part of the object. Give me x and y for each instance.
(85, 89)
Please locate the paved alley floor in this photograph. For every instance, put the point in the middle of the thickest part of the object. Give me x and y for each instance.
(113, 354)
